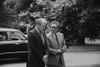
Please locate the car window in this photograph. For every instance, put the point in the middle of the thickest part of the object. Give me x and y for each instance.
(3, 36)
(16, 35)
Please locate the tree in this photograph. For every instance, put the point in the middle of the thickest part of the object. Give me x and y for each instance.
(80, 21)
(22, 5)
(3, 15)
(12, 8)
(78, 18)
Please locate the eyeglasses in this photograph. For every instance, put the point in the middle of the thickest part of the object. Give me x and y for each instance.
(55, 27)
(29, 21)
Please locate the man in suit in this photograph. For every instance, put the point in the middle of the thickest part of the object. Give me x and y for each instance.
(37, 44)
(56, 46)
(31, 24)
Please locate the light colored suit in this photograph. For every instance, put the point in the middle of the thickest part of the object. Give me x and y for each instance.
(55, 58)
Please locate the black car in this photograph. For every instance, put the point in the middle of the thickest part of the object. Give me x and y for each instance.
(13, 44)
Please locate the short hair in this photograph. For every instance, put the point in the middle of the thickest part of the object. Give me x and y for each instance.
(39, 21)
(55, 22)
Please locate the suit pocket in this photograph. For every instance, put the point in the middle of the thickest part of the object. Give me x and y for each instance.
(52, 60)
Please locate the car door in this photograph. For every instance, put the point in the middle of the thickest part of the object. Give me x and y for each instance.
(6, 47)
(20, 42)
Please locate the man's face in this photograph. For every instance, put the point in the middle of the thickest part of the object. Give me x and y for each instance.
(54, 28)
(42, 26)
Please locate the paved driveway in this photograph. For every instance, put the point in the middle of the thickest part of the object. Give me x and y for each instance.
(72, 59)
(84, 59)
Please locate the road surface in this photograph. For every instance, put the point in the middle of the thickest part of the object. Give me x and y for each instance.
(72, 59)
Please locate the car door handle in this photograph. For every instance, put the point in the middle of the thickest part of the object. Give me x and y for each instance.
(16, 43)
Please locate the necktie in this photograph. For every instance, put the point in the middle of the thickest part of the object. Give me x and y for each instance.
(42, 38)
(57, 39)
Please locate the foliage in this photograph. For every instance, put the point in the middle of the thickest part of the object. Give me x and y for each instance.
(11, 9)
(80, 21)
(3, 15)
(22, 5)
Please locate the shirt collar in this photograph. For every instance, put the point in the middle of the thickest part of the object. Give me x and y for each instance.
(37, 29)
(55, 34)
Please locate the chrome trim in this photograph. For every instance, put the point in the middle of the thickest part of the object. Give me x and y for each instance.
(12, 42)
(9, 59)
(14, 52)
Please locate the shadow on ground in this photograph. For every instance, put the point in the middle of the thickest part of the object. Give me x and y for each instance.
(87, 47)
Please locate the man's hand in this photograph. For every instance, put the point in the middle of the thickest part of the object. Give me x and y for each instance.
(45, 59)
(59, 51)
(63, 49)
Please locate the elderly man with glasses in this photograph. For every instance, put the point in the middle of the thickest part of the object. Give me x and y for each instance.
(56, 46)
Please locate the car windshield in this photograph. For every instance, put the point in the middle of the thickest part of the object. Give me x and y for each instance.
(16, 35)
(3, 36)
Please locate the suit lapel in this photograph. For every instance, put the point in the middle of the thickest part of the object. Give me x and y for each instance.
(56, 38)
(44, 38)
(53, 38)
(38, 36)
(59, 39)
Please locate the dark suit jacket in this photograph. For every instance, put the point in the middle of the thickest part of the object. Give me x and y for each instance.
(37, 49)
